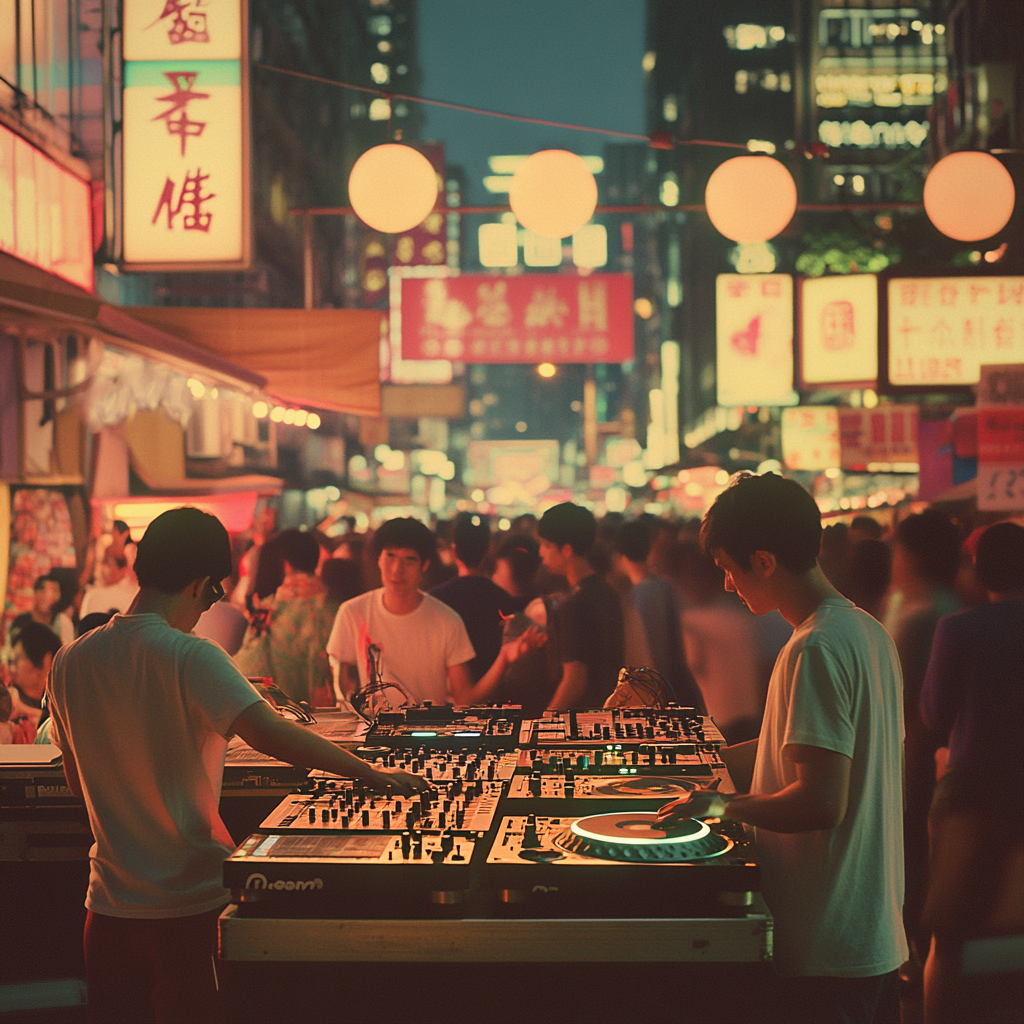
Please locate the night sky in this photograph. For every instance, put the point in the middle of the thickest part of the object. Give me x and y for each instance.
(576, 61)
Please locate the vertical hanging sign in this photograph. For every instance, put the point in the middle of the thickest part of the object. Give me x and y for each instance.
(186, 135)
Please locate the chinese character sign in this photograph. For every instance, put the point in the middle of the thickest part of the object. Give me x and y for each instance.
(45, 212)
(754, 316)
(941, 329)
(185, 170)
(182, 30)
(810, 437)
(1001, 438)
(886, 434)
(530, 318)
(839, 329)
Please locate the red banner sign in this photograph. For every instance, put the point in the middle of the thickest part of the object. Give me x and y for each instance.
(529, 318)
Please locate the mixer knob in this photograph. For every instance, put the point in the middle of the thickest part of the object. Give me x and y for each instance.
(442, 818)
(391, 760)
(312, 815)
(598, 757)
(365, 818)
(385, 819)
(457, 855)
(344, 821)
(460, 817)
(406, 844)
(530, 838)
(437, 856)
(447, 842)
(334, 813)
(535, 783)
(325, 815)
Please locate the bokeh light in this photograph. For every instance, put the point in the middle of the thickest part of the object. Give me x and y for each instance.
(547, 369)
(969, 196)
(392, 188)
(750, 198)
(553, 194)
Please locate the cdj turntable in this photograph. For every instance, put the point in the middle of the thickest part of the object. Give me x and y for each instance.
(441, 726)
(313, 873)
(624, 854)
(627, 726)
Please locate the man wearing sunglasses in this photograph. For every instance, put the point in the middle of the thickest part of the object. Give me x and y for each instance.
(142, 712)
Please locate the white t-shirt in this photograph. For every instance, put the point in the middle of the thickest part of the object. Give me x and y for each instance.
(144, 710)
(837, 895)
(416, 649)
(117, 596)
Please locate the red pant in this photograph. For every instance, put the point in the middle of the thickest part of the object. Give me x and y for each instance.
(161, 970)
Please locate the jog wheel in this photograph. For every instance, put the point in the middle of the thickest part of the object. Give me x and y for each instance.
(637, 837)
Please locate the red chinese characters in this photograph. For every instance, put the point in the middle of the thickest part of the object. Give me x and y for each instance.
(530, 318)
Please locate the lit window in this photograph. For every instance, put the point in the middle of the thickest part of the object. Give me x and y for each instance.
(650, 58)
(858, 184)
(590, 246)
(670, 108)
(669, 192)
(760, 146)
(380, 73)
(384, 46)
(380, 25)
(742, 80)
(498, 245)
(539, 251)
(380, 109)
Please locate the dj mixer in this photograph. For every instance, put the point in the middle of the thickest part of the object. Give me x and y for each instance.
(626, 726)
(616, 759)
(460, 805)
(316, 873)
(442, 726)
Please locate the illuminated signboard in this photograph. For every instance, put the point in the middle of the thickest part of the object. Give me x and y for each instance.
(942, 329)
(186, 179)
(754, 318)
(45, 212)
(513, 462)
(879, 439)
(839, 330)
(810, 437)
(1001, 438)
(529, 318)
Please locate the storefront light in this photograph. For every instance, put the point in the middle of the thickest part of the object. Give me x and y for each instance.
(277, 414)
(313, 421)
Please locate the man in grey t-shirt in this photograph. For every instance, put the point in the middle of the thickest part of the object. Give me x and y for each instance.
(826, 794)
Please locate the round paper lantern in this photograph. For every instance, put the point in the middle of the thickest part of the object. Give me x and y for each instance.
(553, 194)
(750, 198)
(392, 188)
(969, 196)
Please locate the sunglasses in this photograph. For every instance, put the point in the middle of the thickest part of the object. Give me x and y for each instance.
(216, 592)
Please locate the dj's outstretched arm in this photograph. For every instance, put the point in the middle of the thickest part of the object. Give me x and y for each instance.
(816, 800)
(268, 732)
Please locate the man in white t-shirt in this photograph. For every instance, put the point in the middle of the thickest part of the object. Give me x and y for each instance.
(826, 795)
(420, 643)
(142, 711)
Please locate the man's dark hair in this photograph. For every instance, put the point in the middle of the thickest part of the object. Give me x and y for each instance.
(122, 527)
(471, 535)
(999, 559)
(405, 533)
(299, 549)
(37, 641)
(68, 581)
(764, 513)
(569, 524)
(933, 543)
(633, 541)
(869, 526)
(523, 556)
(41, 581)
(182, 545)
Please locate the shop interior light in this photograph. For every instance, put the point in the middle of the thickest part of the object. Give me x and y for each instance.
(547, 369)
(260, 410)
(553, 193)
(969, 196)
(277, 413)
(750, 198)
(392, 188)
(313, 421)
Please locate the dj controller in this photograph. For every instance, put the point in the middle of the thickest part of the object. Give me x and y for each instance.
(444, 727)
(619, 725)
(565, 824)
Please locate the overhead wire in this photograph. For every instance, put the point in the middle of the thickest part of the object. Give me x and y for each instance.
(389, 95)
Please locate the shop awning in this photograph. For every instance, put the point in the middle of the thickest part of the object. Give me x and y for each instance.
(327, 358)
(31, 298)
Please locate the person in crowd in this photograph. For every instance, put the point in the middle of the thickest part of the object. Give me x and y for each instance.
(834, 557)
(926, 559)
(343, 579)
(291, 648)
(32, 650)
(69, 579)
(730, 652)
(515, 564)
(441, 568)
(171, 700)
(869, 573)
(46, 610)
(826, 791)
(864, 528)
(973, 701)
(658, 606)
(116, 588)
(419, 642)
(480, 603)
(121, 544)
(590, 628)
(250, 546)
